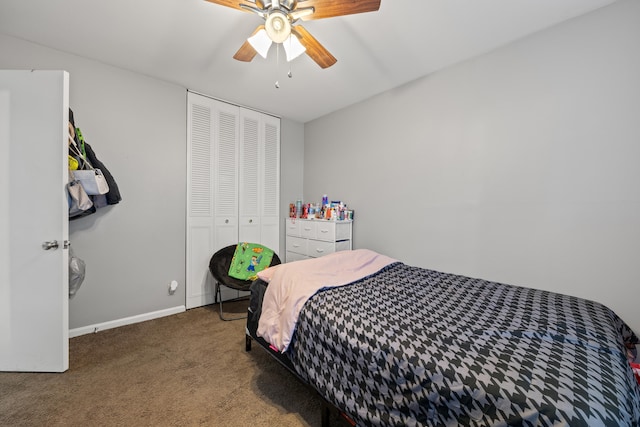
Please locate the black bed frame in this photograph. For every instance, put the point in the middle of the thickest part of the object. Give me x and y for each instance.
(331, 416)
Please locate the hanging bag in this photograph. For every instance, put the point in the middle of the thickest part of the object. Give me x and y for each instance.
(78, 199)
(91, 179)
(77, 270)
(73, 163)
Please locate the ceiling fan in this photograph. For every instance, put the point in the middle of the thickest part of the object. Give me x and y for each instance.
(280, 17)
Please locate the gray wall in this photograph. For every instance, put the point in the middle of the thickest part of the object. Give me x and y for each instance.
(291, 170)
(520, 166)
(137, 126)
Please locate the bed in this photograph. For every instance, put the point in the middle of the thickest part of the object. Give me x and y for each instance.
(391, 344)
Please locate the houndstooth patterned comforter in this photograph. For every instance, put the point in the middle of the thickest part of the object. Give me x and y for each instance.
(412, 347)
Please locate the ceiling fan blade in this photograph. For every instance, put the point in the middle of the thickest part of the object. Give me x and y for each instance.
(235, 4)
(246, 53)
(315, 50)
(300, 12)
(248, 8)
(331, 8)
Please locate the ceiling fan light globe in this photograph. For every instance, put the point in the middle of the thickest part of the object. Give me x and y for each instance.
(260, 42)
(278, 27)
(293, 48)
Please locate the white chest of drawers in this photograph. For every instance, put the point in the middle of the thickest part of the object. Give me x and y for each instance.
(312, 238)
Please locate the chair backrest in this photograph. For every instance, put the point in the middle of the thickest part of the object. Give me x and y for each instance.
(219, 268)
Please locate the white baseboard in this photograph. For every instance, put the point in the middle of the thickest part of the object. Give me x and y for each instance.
(90, 329)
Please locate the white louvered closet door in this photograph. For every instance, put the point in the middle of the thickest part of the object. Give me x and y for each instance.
(270, 178)
(233, 186)
(259, 179)
(212, 190)
(225, 175)
(250, 171)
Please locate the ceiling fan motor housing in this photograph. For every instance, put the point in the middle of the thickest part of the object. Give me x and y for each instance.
(278, 26)
(288, 5)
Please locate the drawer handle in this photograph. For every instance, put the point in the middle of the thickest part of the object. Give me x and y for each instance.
(296, 246)
(319, 250)
(307, 229)
(324, 231)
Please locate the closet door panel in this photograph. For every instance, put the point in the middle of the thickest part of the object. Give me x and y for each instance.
(270, 182)
(225, 145)
(200, 210)
(212, 190)
(249, 175)
(200, 283)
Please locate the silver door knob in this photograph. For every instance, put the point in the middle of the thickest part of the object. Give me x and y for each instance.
(53, 244)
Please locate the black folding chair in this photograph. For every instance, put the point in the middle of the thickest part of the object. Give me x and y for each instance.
(219, 267)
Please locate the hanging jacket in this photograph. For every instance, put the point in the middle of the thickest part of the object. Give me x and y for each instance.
(113, 196)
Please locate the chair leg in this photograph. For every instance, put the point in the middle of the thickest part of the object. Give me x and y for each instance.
(229, 318)
(218, 293)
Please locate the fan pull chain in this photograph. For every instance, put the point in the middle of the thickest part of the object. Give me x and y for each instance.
(277, 64)
(289, 73)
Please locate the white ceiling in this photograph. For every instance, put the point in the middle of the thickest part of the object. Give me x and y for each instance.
(192, 42)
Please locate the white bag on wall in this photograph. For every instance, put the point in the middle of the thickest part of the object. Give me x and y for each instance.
(92, 180)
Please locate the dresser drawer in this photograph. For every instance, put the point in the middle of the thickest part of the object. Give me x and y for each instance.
(308, 229)
(343, 245)
(292, 227)
(297, 245)
(326, 230)
(318, 248)
(292, 256)
(343, 230)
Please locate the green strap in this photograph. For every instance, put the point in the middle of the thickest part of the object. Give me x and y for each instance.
(81, 139)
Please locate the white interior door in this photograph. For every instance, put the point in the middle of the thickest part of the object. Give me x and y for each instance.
(34, 296)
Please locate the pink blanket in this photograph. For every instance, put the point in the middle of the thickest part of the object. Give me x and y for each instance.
(293, 283)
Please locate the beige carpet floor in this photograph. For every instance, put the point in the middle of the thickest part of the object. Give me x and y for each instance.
(189, 369)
